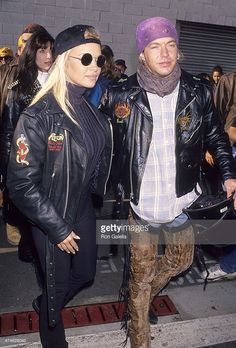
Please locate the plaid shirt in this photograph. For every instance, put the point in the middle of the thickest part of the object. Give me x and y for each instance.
(158, 202)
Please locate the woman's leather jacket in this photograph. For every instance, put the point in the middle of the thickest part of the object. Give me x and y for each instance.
(197, 128)
(47, 167)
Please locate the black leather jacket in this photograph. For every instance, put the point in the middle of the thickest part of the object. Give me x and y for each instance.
(11, 112)
(197, 128)
(47, 167)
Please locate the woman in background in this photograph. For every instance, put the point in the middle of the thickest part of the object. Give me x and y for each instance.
(216, 74)
(32, 72)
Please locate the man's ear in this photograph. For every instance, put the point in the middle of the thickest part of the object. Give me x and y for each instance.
(142, 58)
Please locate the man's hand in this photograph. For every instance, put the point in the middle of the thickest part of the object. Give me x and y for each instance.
(69, 244)
(230, 186)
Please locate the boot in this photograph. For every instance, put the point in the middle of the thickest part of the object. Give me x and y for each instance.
(13, 235)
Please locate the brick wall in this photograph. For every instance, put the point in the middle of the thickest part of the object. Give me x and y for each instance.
(115, 19)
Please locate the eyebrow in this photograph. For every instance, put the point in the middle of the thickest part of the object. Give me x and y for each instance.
(159, 43)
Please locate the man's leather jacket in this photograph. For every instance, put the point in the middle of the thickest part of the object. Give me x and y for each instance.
(47, 167)
(197, 128)
(8, 74)
(225, 98)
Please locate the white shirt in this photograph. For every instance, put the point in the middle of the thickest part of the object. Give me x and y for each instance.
(158, 202)
(42, 77)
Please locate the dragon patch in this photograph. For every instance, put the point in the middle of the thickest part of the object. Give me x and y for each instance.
(22, 150)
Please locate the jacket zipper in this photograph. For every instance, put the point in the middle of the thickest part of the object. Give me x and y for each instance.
(181, 112)
(131, 158)
(67, 171)
(185, 107)
(110, 164)
(52, 180)
(176, 181)
(110, 126)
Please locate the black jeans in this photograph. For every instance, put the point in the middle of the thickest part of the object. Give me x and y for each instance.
(72, 272)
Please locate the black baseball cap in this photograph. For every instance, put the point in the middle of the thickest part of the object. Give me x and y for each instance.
(72, 37)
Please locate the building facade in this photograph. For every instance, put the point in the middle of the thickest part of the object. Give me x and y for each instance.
(117, 20)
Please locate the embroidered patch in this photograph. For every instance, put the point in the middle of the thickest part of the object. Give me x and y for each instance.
(55, 142)
(122, 110)
(184, 122)
(23, 150)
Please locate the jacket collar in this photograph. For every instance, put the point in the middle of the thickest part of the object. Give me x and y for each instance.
(138, 96)
(186, 93)
(64, 121)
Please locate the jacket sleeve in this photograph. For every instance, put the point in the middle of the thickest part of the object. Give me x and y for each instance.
(10, 116)
(222, 97)
(217, 140)
(25, 177)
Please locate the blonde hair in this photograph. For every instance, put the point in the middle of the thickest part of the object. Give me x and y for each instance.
(56, 83)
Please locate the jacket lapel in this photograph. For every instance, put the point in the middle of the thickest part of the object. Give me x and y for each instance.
(185, 98)
(140, 98)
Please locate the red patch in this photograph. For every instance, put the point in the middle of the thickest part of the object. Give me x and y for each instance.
(55, 142)
(23, 150)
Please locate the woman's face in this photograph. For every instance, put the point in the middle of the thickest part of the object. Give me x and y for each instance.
(216, 76)
(43, 58)
(78, 73)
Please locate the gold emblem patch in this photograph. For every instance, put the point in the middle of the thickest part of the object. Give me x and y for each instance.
(122, 110)
(184, 122)
(23, 149)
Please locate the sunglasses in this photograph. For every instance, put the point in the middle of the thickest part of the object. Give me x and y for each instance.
(5, 58)
(87, 59)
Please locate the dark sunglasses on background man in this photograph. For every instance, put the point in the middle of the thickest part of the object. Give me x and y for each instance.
(86, 59)
(5, 58)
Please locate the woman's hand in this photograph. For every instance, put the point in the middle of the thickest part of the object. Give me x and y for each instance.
(209, 158)
(69, 244)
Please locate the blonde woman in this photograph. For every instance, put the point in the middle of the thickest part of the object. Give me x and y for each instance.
(61, 153)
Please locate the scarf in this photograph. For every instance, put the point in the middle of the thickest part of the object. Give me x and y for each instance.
(156, 84)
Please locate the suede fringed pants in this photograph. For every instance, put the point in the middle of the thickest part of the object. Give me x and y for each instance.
(149, 274)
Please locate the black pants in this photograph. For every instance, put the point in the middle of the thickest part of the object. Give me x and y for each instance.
(72, 272)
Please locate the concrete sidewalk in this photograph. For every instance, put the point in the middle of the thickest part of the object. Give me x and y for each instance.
(206, 318)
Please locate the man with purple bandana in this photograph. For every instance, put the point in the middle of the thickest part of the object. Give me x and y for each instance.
(163, 120)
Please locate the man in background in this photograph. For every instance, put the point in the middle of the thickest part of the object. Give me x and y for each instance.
(6, 55)
(120, 68)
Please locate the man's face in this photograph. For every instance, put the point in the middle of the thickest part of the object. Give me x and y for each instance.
(5, 59)
(120, 69)
(160, 56)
